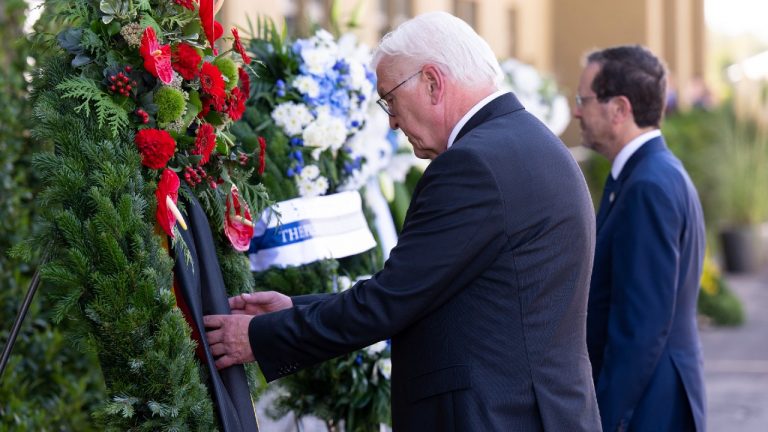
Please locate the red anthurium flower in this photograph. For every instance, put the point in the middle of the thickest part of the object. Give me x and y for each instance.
(157, 58)
(212, 29)
(186, 61)
(167, 187)
(262, 154)
(156, 147)
(205, 142)
(238, 226)
(238, 47)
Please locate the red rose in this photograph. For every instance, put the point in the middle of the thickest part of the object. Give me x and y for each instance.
(238, 47)
(156, 147)
(205, 142)
(168, 186)
(236, 104)
(212, 83)
(238, 226)
(188, 4)
(157, 58)
(186, 61)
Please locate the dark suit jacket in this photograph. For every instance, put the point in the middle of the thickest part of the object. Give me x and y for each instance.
(484, 295)
(641, 325)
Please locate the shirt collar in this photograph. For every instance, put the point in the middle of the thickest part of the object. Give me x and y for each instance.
(478, 106)
(630, 149)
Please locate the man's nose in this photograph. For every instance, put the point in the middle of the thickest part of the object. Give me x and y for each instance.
(393, 123)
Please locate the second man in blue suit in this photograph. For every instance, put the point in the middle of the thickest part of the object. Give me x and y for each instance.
(641, 321)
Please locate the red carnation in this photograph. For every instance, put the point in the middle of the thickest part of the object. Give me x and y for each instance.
(238, 47)
(205, 142)
(157, 58)
(212, 83)
(238, 226)
(168, 186)
(244, 82)
(188, 4)
(156, 147)
(212, 29)
(186, 61)
(262, 154)
(236, 104)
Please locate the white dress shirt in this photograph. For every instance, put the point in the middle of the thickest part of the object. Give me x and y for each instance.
(629, 150)
(478, 106)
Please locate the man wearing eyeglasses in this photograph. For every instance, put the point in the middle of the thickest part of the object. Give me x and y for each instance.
(484, 296)
(641, 322)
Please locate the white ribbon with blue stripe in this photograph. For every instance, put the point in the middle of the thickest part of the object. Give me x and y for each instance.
(310, 229)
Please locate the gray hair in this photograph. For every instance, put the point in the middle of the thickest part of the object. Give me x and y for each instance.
(442, 39)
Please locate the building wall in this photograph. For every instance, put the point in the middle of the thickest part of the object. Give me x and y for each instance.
(552, 35)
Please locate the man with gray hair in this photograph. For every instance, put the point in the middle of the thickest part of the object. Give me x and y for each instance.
(484, 296)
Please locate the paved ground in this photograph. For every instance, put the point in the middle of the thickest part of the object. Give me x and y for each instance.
(736, 363)
(735, 369)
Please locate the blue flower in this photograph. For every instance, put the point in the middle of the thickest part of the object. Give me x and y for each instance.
(359, 359)
(296, 141)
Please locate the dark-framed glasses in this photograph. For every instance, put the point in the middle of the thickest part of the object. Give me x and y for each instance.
(382, 101)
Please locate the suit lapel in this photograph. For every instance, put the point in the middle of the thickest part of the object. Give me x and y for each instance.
(607, 203)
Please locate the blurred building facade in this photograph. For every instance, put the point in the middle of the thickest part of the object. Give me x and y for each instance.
(552, 35)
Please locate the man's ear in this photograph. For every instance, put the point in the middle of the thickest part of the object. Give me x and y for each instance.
(622, 109)
(435, 83)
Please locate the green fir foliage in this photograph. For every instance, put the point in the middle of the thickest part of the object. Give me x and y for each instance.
(109, 273)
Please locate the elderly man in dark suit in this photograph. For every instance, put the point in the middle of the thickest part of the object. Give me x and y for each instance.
(484, 296)
(641, 322)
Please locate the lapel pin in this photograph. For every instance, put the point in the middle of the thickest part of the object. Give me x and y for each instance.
(611, 197)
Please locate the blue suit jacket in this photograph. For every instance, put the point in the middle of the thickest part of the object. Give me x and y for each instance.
(484, 295)
(641, 327)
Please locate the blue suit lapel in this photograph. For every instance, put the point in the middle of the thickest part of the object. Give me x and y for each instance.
(606, 203)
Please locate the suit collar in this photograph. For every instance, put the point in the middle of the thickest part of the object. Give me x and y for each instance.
(503, 104)
(652, 146)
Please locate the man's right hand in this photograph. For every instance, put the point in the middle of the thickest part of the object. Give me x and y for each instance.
(259, 303)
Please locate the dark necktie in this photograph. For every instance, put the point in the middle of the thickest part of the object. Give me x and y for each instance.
(609, 195)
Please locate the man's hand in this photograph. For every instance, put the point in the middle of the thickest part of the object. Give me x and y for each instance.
(228, 337)
(259, 303)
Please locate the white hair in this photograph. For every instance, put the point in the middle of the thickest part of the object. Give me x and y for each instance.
(442, 39)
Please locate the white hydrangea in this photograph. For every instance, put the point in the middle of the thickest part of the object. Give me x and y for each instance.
(318, 59)
(385, 367)
(376, 348)
(307, 86)
(325, 132)
(292, 117)
(310, 183)
(309, 172)
(539, 95)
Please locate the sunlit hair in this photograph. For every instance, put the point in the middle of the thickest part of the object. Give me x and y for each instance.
(632, 71)
(441, 39)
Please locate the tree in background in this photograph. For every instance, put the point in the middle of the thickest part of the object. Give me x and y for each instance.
(48, 385)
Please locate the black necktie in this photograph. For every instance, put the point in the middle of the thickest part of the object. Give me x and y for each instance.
(609, 195)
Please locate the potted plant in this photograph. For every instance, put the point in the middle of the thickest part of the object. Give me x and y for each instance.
(741, 193)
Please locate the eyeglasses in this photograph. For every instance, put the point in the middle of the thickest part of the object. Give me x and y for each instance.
(384, 104)
(581, 99)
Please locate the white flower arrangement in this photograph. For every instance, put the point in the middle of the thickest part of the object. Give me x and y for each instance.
(538, 94)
